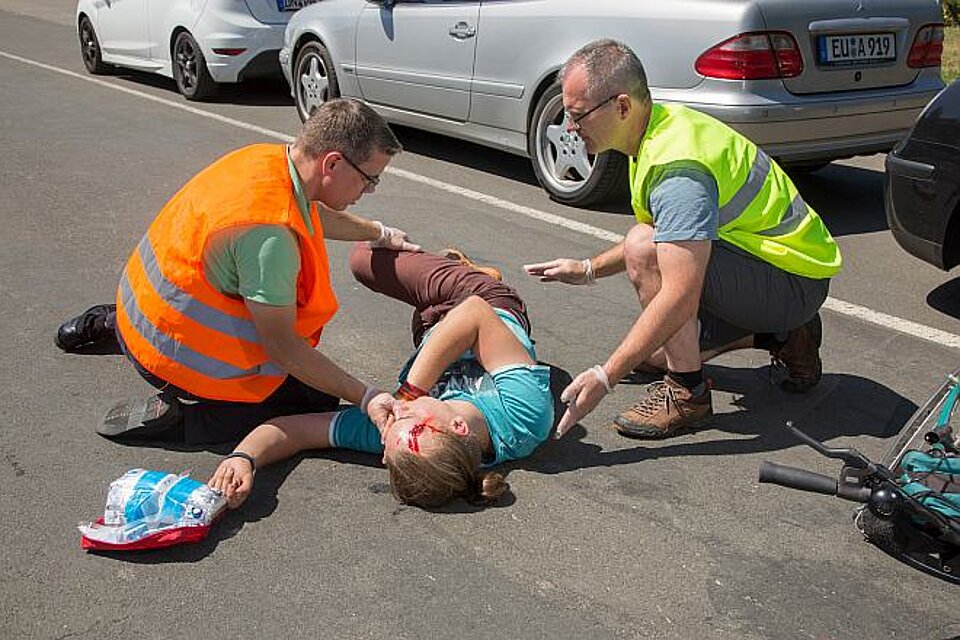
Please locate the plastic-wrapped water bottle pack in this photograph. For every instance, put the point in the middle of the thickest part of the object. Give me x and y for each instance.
(153, 509)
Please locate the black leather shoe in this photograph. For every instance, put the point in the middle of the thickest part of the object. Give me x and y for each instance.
(87, 329)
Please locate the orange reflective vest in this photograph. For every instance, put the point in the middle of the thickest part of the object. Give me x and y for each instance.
(175, 323)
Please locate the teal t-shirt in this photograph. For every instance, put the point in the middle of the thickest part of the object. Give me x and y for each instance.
(515, 401)
(259, 262)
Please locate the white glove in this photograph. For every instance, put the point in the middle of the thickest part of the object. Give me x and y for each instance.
(582, 396)
(563, 270)
(391, 238)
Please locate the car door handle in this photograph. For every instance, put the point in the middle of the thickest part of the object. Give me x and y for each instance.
(462, 31)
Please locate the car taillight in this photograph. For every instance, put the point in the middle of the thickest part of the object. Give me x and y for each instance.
(927, 47)
(752, 56)
(229, 51)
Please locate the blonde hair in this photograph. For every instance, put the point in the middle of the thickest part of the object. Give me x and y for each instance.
(450, 471)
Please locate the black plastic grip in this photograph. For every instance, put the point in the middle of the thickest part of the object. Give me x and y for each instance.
(797, 478)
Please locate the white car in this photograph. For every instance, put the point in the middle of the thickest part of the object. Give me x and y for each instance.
(808, 80)
(197, 43)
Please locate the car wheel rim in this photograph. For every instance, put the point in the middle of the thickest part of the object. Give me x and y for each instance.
(186, 56)
(562, 156)
(88, 44)
(314, 84)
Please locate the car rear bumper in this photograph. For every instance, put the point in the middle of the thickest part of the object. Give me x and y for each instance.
(798, 129)
(228, 30)
(911, 212)
(286, 66)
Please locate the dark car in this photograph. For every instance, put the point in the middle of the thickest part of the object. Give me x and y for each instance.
(922, 190)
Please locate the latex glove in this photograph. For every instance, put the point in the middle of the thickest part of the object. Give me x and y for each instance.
(560, 270)
(234, 479)
(391, 238)
(581, 397)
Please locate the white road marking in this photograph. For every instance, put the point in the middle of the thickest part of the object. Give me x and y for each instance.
(864, 314)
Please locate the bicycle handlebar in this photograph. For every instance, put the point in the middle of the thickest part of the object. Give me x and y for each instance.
(794, 478)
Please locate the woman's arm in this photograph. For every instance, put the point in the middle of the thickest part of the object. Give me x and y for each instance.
(271, 442)
(472, 324)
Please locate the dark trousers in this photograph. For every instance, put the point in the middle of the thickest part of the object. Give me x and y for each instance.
(208, 421)
(431, 284)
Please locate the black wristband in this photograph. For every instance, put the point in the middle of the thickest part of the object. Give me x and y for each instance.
(246, 456)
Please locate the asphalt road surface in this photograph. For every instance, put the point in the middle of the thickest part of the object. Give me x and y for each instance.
(605, 538)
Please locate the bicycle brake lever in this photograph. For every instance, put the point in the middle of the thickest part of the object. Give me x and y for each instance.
(850, 457)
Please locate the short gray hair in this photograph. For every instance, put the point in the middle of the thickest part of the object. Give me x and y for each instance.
(612, 68)
(347, 125)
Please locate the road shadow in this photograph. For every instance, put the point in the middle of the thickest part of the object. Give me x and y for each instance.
(492, 161)
(751, 407)
(466, 154)
(255, 92)
(848, 199)
(946, 298)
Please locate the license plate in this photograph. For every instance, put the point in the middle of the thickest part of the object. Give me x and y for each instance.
(293, 5)
(856, 48)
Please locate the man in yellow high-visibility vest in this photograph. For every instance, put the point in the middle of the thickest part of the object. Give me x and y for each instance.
(725, 253)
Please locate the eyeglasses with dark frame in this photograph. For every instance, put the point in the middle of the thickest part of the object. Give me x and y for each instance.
(372, 181)
(575, 120)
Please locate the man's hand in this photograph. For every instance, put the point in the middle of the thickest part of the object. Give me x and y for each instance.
(395, 239)
(581, 397)
(561, 270)
(380, 409)
(233, 478)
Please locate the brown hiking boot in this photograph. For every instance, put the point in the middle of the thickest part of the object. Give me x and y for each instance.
(669, 409)
(800, 357)
(461, 257)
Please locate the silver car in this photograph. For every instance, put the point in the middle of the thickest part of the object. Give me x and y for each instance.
(809, 80)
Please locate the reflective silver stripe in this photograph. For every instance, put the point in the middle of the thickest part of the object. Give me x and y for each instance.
(791, 219)
(181, 353)
(190, 306)
(748, 191)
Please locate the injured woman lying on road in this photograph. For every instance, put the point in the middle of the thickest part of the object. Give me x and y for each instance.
(471, 396)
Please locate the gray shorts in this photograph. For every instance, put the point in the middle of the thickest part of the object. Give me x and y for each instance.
(743, 295)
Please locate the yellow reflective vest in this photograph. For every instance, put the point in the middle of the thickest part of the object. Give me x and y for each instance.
(760, 209)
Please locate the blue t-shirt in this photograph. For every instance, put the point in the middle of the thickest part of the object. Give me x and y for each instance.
(685, 205)
(515, 402)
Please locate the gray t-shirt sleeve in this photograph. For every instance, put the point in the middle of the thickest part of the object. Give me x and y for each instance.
(685, 205)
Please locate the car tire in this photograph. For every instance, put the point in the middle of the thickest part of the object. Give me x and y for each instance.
(562, 165)
(314, 79)
(190, 68)
(90, 48)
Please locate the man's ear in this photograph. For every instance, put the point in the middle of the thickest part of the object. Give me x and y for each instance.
(328, 161)
(459, 426)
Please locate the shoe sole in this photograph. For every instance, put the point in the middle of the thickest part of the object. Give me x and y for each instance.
(139, 420)
(637, 433)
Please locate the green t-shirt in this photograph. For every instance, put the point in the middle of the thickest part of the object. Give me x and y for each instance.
(259, 262)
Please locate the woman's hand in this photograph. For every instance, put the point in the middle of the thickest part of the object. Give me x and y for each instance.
(233, 478)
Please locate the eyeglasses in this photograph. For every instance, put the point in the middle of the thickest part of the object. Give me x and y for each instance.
(575, 120)
(372, 181)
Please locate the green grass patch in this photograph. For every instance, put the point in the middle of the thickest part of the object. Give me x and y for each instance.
(950, 69)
